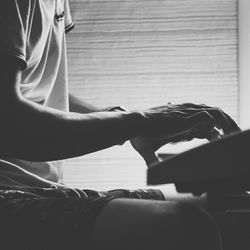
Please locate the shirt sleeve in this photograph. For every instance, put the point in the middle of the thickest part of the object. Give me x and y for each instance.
(69, 25)
(13, 29)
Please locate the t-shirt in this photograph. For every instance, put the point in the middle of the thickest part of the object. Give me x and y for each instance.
(33, 31)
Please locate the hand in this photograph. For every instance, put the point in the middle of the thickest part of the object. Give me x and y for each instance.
(188, 121)
(174, 123)
(147, 147)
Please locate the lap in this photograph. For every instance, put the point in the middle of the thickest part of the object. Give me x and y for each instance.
(48, 223)
(107, 218)
(54, 218)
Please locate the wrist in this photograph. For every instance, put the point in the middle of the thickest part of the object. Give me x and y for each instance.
(138, 118)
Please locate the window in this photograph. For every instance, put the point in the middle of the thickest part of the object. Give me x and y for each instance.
(139, 54)
(244, 62)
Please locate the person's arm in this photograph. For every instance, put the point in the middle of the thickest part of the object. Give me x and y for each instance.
(146, 147)
(79, 106)
(33, 132)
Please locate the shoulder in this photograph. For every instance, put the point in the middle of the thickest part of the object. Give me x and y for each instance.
(14, 20)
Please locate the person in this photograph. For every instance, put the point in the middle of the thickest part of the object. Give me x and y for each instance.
(42, 124)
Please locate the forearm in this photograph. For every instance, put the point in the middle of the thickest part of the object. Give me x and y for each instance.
(32, 132)
(79, 106)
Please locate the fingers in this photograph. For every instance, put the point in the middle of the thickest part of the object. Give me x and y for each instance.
(187, 121)
(233, 124)
(214, 135)
(223, 120)
(197, 125)
(203, 125)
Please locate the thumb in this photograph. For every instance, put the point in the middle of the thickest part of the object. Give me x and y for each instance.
(150, 158)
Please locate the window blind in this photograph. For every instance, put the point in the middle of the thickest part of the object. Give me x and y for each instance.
(139, 54)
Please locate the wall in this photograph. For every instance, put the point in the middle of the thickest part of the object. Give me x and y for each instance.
(144, 53)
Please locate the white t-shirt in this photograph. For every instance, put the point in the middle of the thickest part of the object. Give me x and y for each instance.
(33, 31)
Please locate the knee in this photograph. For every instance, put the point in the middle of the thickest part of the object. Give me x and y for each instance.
(155, 225)
(198, 229)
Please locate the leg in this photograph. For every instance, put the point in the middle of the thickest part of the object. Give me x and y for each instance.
(145, 224)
